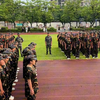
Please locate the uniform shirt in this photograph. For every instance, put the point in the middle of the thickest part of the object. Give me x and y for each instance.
(95, 41)
(19, 40)
(48, 40)
(77, 42)
(3, 77)
(88, 42)
(69, 44)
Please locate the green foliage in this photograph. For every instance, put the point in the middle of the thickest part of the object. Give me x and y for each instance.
(36, 30)
(46, 12)
(19, 29)
(4, 29)
(51, 29)
(86, 29)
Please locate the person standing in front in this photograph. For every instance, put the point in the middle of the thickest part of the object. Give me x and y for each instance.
(48, 43)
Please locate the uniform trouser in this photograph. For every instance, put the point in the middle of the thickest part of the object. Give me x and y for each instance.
(77, 51)
(73, 51)
(68, 53)
(31, 97)
(82, 50)
(48, 47)
(27, 92)
(5, 96)
(87, 52)
(95, 51)
(63, 48)
(20, 47)
(92, 52)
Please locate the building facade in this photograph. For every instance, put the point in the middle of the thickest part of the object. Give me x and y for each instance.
(62, 2)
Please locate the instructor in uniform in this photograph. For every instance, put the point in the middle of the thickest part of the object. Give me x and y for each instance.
(48, 43)
(20, 41)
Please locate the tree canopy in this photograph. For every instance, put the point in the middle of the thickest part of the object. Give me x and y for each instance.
(47, 11)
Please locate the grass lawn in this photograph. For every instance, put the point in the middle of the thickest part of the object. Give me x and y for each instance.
(41, 48)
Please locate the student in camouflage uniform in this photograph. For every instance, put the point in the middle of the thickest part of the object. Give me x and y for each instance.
(68, 47)
(20, 41)
(95, 45)
(77, 46)
(31, 83)
(3, 78)
(87, 45)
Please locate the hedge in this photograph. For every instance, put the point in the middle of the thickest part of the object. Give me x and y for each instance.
(87, 29)
(36, 30)
(19, 29)
(51, 29)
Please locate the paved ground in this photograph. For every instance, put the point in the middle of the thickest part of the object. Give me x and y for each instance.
(64, 80)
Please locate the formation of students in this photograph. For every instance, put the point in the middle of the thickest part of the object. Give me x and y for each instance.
(9, 55)
(30, 71)
(86, 43)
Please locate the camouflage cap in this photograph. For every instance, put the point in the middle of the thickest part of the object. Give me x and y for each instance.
(1, 58)
(32, 57)
(12, 46)
(7, 52)
(1, 43)
(33, 43)
(6, 56)
(18, 33)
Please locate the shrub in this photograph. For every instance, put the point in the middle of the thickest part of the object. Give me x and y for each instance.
(51, 29)
(14, 30)
(4, 29)
(36, 30)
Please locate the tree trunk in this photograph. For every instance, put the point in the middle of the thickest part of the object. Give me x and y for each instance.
(4, 24)
(50, 25)
(23, 24)
(76, 24)
(14, 24)
(31, 25)
(36, 24)
(45, 27)
(70, 24)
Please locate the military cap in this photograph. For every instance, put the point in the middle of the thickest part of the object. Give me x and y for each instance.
(1, 58)
(1, 43)
(7, 52)
(6, 56)
(33, 43)
(12, 46)
(32, 57)
(18, 33)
